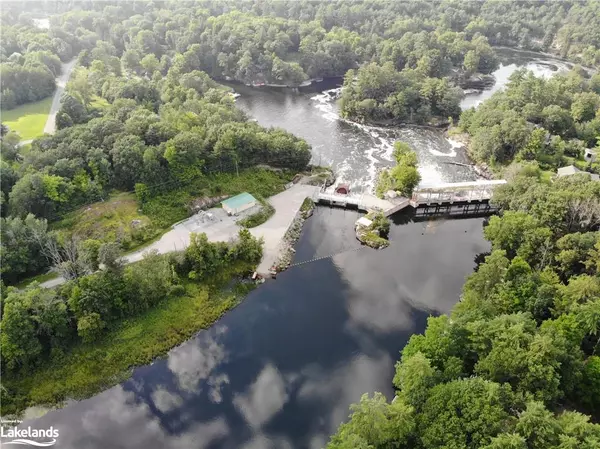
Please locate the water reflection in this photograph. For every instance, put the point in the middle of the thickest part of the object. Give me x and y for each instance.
(264, 398)
(191, 365)
(281, 369)
(510, 61)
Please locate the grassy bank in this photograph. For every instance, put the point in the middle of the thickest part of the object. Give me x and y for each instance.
(29, 119)
(88, 368)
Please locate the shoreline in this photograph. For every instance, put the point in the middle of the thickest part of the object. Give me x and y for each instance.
(176, 321)
(202, 306)
(463, 138)
(291, 237)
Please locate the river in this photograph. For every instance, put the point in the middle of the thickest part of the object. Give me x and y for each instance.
(281, 369)
(356, 152)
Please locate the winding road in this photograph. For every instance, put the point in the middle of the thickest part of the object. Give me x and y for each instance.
(61, 83)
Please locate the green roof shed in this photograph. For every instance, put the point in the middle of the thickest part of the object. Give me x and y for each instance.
(239, 203)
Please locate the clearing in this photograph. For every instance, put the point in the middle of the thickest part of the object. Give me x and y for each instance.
(116, 219)
(29, 119)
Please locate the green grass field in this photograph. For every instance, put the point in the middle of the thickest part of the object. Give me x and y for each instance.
(29, 119)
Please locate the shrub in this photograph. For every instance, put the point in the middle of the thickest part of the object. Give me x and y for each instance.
(251, 221)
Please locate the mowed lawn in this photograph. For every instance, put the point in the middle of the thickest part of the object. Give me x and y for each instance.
(29, 119)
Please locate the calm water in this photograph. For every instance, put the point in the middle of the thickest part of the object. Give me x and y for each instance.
(511, 60)
(281, 370)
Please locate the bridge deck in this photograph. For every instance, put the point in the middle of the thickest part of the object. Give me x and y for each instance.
(447, 193)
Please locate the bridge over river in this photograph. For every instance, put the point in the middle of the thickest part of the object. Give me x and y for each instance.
(441, 194)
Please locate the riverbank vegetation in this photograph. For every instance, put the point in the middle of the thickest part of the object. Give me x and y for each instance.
(404, 177)
(547, 120)
(517, 362)
(86, 334)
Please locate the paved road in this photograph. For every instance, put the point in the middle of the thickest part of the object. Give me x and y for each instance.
(61, 83)
(224, 228)
(286, 204)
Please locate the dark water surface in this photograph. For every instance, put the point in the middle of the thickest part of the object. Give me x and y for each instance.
(281, 369)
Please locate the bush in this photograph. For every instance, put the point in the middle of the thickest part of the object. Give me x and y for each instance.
(251, 221)
(373, 240)
(374, 235)
(381, 224)
(404, 177)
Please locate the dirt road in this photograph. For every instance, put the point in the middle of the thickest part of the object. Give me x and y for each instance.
(61, 83)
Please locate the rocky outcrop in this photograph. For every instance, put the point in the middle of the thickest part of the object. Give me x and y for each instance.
(287, 251)
(205, 202)
(477, 81)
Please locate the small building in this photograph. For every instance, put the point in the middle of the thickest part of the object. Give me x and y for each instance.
(239, 203)
(590, 155)
(342, 189)
(570, 170)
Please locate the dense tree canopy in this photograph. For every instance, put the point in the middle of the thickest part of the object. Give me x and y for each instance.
(285, 42)
(536, 119)
(516, 362)
(37, 322)
(402, 178)
(381, 94)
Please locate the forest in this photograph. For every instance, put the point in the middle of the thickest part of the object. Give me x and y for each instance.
(286, 42)
(536, 119)
(516, 363)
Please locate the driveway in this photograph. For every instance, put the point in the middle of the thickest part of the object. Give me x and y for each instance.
(61, 83)
(222, 228)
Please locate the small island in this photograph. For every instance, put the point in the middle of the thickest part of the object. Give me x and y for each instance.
(409, 86)
(373, 229)
(401, 179)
